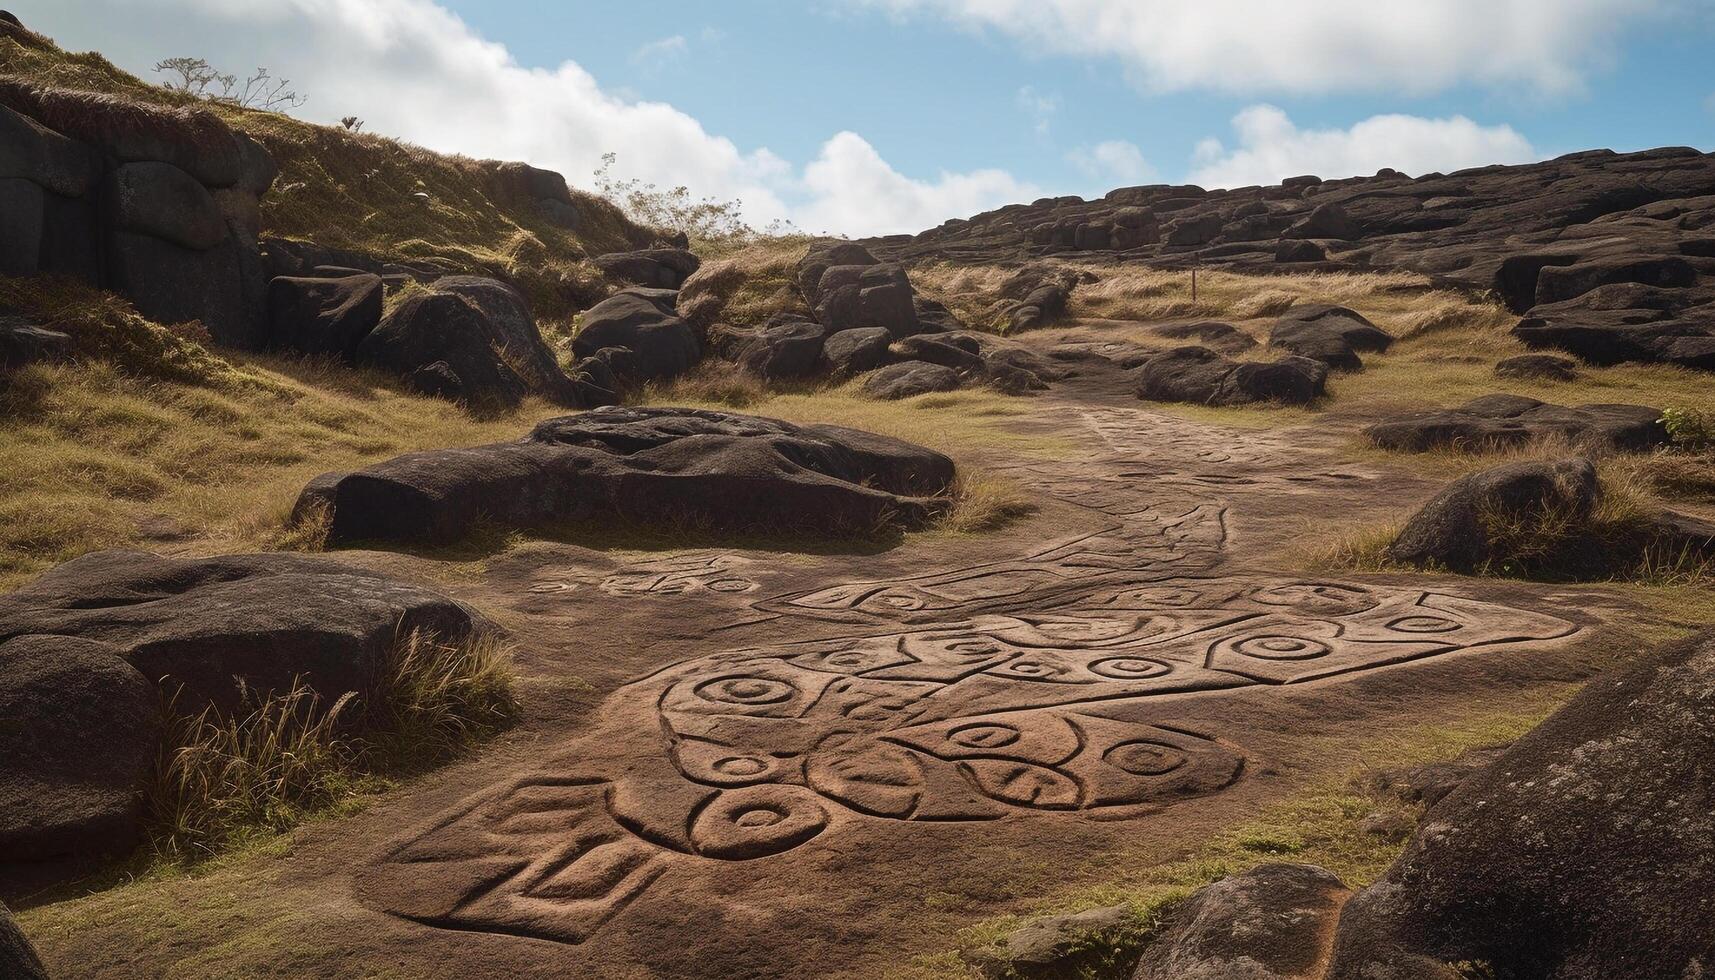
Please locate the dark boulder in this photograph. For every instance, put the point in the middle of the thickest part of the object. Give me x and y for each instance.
(851, 296)
(81, 736)
(1515, 278)
(1273, 922)
(323, 316)
(429, 328)
(1687, 343)
(169, 283)
(1556, 283)
(18, 959)
(852, 352)
(660, 268)
(823, 255)
(511, 330)
(1326, 221)
(1537, 367)
(1501, 421)
(788, 347)
(1583, 853)
(1300, 251)
(25, 206)
(1330, 334)
(1199, 230)
(160, 200)
(30, 151)
(934, 317)
(1198, 375)
(204, 630)
(1457, 529)
(907, 379)
(664, 467)
(645, 323)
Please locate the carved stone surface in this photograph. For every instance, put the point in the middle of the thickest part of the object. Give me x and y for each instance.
(1036, 685)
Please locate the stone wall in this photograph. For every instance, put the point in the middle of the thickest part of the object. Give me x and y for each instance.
(158, 204)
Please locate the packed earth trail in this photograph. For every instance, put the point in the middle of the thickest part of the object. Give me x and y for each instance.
(744, 762)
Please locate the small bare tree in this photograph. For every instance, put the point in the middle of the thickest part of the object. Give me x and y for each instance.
(197, 78)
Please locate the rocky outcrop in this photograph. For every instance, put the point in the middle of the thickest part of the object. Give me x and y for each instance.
(1582, 853)
(1200, 376)
(1609, 256)
(1273, 922)
(848, 288)
(95, 647)
(1502, 421)
(1457, 529)
(644, 322)
(660, 466)
(157, 204)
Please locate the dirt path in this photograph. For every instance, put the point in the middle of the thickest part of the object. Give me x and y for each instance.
(813, 765)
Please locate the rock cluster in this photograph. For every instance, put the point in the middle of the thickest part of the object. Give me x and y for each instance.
(464, 338)
(160, 205)
(712, 470)
(94, 649)
(1609, 257)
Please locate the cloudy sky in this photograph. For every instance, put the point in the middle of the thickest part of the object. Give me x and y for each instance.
(875, 116)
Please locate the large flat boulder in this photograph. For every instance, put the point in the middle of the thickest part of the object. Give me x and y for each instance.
(1502, 421)
(656, 466)
(908, 379)
(1200, 376)
(1582, 853)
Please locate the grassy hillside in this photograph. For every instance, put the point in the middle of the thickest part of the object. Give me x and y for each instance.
(357, 191)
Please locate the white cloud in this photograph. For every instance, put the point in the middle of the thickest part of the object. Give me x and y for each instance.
(854, 190)
(1304, 46)
(1114, 161)
(1271, 147)
(1040, 107)
(413, 69)
(659, 52)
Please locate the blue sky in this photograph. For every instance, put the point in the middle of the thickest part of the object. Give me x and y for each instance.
(866, 116)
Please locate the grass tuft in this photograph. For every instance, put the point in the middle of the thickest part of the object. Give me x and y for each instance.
(221, 780)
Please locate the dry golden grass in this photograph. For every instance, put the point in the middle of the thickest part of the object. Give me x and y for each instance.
(93, 457)
(222, 779)
(745, 285)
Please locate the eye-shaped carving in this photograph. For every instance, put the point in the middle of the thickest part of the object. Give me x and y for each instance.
(746, 691)
(1423, 624)
(1130, 668)
(1281, 647)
